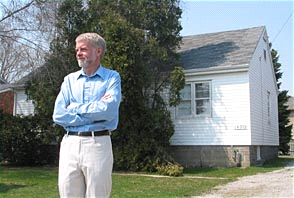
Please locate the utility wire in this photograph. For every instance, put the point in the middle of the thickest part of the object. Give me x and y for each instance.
(282, 27)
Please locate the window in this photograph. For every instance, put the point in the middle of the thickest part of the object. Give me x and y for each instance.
(264, 54)
(202, 98)
(195, 100)
(184, 107)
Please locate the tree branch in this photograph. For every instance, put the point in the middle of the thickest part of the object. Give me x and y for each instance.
(18, 10)
(14, 39)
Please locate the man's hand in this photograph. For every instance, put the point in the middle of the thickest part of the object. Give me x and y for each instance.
(106, 97)
(73, 105)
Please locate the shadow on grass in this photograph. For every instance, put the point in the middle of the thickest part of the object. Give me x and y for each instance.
(279, 162)
(6, 187)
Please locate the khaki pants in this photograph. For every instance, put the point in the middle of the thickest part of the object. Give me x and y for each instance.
(85, 167)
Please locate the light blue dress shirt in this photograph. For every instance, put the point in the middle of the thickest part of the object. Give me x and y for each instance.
(80, 105)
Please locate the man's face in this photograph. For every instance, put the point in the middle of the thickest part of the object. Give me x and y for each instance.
(87, 55)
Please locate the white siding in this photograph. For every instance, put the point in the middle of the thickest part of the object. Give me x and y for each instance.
(229, 123)
(22, 106)
(264, 124)
(244, 106)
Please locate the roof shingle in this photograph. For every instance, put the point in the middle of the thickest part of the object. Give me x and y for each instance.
(222, 49)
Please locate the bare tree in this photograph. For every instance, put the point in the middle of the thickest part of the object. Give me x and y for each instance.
(26, 29)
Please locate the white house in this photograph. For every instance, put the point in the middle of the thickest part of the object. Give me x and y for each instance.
(291, 120)
(14, 101)
(229, 113)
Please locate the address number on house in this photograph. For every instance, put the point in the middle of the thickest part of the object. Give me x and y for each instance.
(240, 127)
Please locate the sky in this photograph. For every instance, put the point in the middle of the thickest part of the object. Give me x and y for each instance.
(208, 16)
(200, 17)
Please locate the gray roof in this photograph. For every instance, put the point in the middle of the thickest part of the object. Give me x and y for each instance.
(20, 84)
(219, 50)
(6, 87)
(2, 81)
(9, 86)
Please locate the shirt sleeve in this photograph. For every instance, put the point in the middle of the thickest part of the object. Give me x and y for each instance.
(105, 109)
(61, 115)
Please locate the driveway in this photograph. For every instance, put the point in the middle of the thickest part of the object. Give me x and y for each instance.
(276, 184)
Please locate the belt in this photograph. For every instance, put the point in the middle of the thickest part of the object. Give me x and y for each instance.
(89, 133)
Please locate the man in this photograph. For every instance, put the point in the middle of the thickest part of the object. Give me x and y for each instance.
(87, 107)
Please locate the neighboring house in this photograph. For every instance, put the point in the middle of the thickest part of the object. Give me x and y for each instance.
(13, 99)
(229, 110)
(2, 81)
(291, 121)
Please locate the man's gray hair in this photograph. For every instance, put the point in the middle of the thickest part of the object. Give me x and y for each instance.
(95, 39)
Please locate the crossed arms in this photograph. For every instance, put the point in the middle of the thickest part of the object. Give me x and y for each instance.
(67, 113)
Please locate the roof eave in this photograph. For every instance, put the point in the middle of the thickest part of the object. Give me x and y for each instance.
(11, 87)
(217, 70)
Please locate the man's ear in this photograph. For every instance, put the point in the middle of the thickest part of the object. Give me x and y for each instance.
(99, 51)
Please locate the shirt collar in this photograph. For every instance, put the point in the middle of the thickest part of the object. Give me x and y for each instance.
(99, 72)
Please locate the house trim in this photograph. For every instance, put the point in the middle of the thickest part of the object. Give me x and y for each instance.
(227, 69)
(6, 90)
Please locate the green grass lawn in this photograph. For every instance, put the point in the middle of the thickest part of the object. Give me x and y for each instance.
(42, 182)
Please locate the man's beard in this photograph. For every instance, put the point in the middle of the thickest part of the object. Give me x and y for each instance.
(83, 63)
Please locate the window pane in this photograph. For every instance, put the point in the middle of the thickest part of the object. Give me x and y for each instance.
(184, 108)
(202, 106)
(202, 90)
(186, 92)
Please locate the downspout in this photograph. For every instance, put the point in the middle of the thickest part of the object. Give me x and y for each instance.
(14, 102)
(261, 93)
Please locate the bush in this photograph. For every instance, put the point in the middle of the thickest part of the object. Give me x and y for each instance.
(1, 141)
(22, 142)
(141, 141)
(171, 170)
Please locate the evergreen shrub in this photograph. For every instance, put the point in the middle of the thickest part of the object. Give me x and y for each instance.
(22, 142)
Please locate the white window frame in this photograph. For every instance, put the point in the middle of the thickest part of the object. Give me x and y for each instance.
(194, 99)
